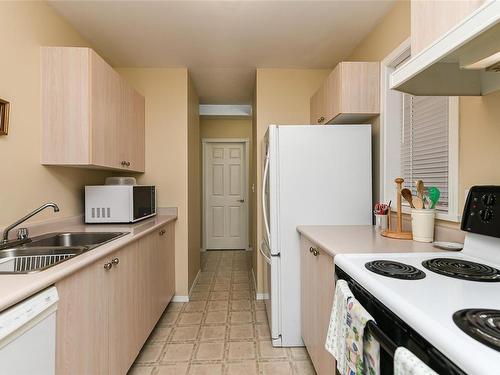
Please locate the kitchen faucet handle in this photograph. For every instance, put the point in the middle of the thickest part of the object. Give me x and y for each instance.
(22, 234)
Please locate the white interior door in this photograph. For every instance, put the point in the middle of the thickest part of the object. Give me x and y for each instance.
(226, 218)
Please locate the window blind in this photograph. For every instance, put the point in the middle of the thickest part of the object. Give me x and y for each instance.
(424, 144)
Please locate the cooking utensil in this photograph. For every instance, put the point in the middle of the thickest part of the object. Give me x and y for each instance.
(406, 194)
(418, 203)
(434, 195)
(420, 189)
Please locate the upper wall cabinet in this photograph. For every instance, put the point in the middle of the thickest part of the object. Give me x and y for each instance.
(455, 49)
(349, 94)
(91, 117)
(432, 19)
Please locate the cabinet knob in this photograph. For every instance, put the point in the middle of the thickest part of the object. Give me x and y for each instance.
(321, 119)
(115, 261)
(107, 266)
(314, 251)
(128, 164)
(162, 232)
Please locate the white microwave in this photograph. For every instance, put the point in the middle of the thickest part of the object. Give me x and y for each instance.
(119, 203)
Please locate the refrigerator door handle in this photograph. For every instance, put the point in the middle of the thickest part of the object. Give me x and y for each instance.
(261, 248)
(264, 208)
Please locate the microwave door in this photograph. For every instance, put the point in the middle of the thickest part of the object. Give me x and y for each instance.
(143, 202)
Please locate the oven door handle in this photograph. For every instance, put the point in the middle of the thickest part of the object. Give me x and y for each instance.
(385, 342)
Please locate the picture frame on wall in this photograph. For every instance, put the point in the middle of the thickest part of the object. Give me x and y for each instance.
(4, 117)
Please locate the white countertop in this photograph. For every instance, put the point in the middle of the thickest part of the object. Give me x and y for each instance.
(15, 288)
(358, 239)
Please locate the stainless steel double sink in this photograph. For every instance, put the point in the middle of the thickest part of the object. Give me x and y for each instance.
(47, 250)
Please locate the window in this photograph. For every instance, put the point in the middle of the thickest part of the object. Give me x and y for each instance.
(424, 143)
(419, 140)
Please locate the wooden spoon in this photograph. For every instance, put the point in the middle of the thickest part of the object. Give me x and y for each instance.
(406, 193)
(418, 203)
(420, 189)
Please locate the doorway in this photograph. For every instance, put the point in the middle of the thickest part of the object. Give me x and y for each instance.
(225, 193)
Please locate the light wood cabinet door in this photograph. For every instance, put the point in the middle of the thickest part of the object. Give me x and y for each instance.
(317, 290)
(131, 132)
(106, 91)
(126, 329)
(350, 94)
(430, 20)
(318, 107)
(91, 116)
(82, 322)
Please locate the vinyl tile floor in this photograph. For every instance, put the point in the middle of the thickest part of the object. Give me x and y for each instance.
(221, 330)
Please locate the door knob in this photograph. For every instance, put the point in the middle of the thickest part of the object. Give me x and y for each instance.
(241, 200)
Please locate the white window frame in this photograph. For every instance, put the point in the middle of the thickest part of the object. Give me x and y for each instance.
(390, 137)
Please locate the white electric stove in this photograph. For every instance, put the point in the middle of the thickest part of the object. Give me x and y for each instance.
(427, 301)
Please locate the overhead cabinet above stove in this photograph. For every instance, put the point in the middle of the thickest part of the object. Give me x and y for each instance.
(463, 60)
(91, 117)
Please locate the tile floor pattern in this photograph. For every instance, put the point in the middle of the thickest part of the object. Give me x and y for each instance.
(222, 330)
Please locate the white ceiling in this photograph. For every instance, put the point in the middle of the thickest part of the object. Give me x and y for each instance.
(222, 42)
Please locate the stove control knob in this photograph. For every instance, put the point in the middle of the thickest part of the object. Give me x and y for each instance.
(486, 215)
(489, 199)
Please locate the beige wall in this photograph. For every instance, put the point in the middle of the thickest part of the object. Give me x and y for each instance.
(26, 184)
(390, 32)
(479, 125)
(194, 184)
(166, 93)
(233, 128)
(281, 97)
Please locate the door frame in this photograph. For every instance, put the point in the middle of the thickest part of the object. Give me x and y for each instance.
(246, 144)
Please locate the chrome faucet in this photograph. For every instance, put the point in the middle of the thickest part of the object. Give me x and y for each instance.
(23, 233)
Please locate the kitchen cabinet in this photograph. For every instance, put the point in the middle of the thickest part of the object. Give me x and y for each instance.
(317, 291)
(432, 19)
(108, 309)
(350, 94)
(91, 117)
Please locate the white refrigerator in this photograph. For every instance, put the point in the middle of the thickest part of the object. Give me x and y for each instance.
(312, 175)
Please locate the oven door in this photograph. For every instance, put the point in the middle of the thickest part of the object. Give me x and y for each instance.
(143, 202)
(392, 332)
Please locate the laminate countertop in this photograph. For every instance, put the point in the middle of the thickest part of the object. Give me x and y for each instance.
(359, 239)
(16, 287)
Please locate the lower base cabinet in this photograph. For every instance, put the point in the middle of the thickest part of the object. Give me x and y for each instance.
(108, 309)
(317, 291)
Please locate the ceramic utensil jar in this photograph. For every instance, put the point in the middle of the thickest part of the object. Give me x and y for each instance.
(422, 224)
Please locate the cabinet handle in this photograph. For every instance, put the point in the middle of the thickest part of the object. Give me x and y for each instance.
(115, 261)
(321, 119)
(125, 163)
(107, 266)
(162, 232)
(314, 251)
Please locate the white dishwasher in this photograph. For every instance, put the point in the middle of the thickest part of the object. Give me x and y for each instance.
(28, 336)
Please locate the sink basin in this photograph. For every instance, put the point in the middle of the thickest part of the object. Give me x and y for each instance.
(50, 249)
(33, 259)
(87, 239)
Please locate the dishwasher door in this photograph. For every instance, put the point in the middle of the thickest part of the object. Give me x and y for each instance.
(28, 336)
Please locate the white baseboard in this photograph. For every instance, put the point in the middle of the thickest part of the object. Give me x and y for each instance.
(258, 296)
(194, 282)
(177, 298)
(261, 296)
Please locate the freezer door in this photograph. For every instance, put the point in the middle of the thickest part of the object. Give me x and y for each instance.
(272, 302)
